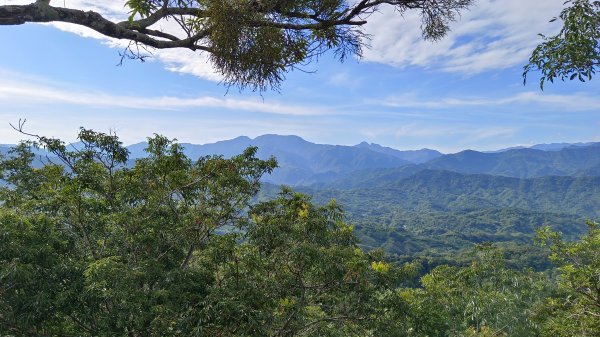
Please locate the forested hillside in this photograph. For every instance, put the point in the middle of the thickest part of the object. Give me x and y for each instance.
(434, 213)
(423, 210)
(451, 191)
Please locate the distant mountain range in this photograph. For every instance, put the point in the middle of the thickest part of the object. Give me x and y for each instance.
(522, 163)
(577, 161)
(304, 163)
(545, 147)
(413, 156)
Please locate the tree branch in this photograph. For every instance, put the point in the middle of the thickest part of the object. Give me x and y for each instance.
(43, 13)
(251, 43)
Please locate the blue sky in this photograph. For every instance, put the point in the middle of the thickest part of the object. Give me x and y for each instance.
(462, 92)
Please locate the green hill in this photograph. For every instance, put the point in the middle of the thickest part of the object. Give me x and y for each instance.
(437, 214)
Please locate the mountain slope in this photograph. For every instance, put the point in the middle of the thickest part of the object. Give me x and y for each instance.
(546, 147)
(436, 214)
(451, 191)
(576, 161)
(522, 163)
(300, 161)
(413, 156)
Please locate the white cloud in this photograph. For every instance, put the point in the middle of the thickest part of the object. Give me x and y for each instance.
(492, 132)
(189, 62)
(133, 128)
(416, 130)
(439, 136)
(494, 34)
(344, 80)
(113, 10)
(573, 102)
(26, 92)
(177, 60)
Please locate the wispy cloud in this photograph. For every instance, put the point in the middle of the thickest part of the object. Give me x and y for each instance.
(344, 80)
(26, 92)
(22, 89)
(446, 138)
(133, 128)
(492, 132)
(574, 102)
(492, 35)
(466, 132)
(58, 109)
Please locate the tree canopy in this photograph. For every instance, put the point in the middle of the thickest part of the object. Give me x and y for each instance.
(168, 246)
(252, 43)
(575, 309)
(573, 53)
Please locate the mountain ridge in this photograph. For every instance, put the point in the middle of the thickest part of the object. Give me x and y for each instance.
(300, 162)
(366, 164)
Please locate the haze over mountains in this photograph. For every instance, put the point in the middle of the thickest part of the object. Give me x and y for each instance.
(304, 163)
(546, 147)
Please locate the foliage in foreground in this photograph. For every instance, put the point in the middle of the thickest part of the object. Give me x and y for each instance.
(171, 247)
(575, 51)
(575, 309)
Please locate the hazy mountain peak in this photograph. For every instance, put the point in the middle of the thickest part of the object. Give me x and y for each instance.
(287, 139)
(547, 147)
(413, 156)
(366, 144)
(241, 138)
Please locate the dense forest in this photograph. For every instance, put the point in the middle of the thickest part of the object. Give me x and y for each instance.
(169, 246)
(437, 210)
